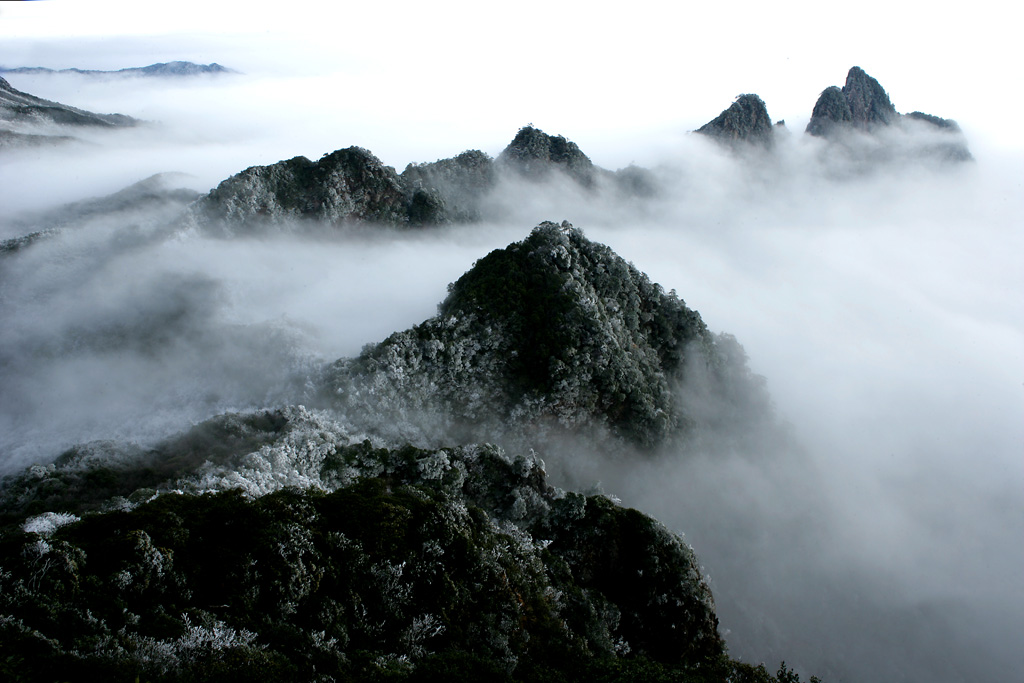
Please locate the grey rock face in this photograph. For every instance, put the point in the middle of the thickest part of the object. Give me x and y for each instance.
(869, 103)
(831, 110)
(745, 121)
(863, 105)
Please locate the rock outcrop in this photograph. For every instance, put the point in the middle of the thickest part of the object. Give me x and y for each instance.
(869, 103)
(830, 111)
(349, 185)
(534, 154)
(863, 105)
(745, 121)
(554, 333)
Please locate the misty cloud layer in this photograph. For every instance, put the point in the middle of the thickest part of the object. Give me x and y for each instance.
(882, 305)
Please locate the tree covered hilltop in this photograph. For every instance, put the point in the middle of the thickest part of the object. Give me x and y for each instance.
(381, 535)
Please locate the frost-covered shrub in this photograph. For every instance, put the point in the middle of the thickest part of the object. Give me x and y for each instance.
(411, 558)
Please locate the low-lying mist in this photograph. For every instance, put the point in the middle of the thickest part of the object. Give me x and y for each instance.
(881, 303)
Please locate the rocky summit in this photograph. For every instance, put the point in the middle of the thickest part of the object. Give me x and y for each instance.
(347, 185)
(352, 186)
(830, 111)
(745, 121)
(535, 154)
(869, 103)
(552, 334)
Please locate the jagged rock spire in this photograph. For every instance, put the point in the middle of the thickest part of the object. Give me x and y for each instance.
(861, 103)
(869, 103)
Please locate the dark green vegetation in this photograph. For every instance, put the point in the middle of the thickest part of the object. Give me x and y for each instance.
(349, 184)
(554, 332)
(424, 565)
(448, 190)
(352, 186)
(289, 545)
(745, 121)
(88, 477)
(535, 154)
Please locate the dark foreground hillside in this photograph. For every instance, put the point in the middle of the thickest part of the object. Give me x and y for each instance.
(322, 545)
(389, 564)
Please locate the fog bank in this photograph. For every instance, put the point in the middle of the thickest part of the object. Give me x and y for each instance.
(881, 304)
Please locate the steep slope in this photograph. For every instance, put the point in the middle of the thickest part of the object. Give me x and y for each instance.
(869, 103)
(20, 108)
(551, 333)
(830, 111)
(745, 121)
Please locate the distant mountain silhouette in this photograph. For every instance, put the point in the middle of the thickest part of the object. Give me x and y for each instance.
(163, 69)
(554, 332)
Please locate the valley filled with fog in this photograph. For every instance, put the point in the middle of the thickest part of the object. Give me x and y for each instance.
(880, 302)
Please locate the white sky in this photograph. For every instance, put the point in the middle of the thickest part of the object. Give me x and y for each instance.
(484, 69)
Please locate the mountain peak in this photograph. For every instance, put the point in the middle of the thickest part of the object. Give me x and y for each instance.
(346, 185)
(869, 103)
(533, 154)
(861, 103)
(555, 331)
(20, 108)
(746, 120)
